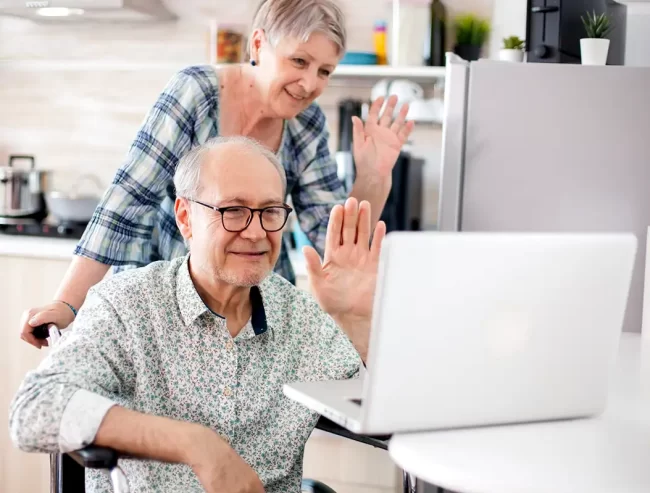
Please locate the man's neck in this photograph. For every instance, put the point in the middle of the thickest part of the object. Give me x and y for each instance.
(231, 302)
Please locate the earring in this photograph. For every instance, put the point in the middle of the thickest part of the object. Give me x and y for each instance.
(253, 63)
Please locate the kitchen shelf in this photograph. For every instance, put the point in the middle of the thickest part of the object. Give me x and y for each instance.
(341, 72)
(388, 71)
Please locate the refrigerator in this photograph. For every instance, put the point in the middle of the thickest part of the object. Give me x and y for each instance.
(537, 147)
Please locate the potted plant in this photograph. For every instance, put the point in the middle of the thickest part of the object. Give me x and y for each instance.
(513, 49)
(595, 47)
(471, 34)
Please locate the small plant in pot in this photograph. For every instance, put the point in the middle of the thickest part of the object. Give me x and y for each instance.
(594, 48)
(513, 49)
(471, 34)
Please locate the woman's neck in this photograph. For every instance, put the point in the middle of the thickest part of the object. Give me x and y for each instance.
(245, 109)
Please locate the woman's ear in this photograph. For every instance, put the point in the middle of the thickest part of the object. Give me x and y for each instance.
(183, 217)
(257, 40)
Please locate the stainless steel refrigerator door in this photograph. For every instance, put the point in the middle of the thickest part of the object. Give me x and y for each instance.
(559, 148)
(453, 139)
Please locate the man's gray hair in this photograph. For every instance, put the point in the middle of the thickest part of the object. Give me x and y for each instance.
(300, 19)
(187, 179)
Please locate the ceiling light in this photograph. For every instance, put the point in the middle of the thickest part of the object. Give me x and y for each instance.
(58, 12)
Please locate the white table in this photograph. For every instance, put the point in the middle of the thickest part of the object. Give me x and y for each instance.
(610, 453)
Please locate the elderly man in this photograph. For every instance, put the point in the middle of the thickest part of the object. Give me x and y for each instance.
(181, 363)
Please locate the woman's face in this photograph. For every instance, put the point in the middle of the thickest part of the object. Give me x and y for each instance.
(295, 73)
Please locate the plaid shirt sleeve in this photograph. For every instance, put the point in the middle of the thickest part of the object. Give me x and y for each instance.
(121, 228)
(318, 187)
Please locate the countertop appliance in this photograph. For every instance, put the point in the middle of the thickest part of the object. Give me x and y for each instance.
(22, 190)
(344, 158)
(554, 29)
(48, 228)
(538, 147)
(403, 209)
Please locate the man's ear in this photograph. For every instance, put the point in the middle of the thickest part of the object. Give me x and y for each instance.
(183, 217)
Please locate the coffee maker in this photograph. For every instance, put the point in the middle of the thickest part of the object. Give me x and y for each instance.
(554, 29)
(344, 158)
(403, 209)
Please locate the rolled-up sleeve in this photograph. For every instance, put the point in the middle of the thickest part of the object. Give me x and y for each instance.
(59, 406)
(120, 230)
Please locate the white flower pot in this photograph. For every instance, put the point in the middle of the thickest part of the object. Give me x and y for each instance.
(511, 55)
(594, 51)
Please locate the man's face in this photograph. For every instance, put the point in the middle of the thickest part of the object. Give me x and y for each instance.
(233, 175)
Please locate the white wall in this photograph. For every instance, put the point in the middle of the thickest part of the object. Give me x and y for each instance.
(83, 121)
(508, 19)
(637, 40)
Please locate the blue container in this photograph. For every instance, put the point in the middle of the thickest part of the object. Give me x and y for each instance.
(359, 58)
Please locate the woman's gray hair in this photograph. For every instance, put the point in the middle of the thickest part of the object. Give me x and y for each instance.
(187, 178)
(300, 19)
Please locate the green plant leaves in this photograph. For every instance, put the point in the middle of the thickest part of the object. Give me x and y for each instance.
(597, 25)
(471, 30)
(513, 43)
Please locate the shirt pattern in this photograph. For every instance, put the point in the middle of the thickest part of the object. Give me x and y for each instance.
(134, 223)
(145, 340)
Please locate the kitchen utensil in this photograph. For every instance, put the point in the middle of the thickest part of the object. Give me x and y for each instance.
(74, 207)
(21, 190)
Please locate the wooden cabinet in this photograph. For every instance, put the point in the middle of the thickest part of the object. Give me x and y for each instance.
(25, 282)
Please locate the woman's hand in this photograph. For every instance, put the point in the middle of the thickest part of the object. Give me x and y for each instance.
(56, 313)
(377, 144)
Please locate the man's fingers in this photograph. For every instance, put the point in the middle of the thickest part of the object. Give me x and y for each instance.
(363, 229)
(312, 261)
(350, 221)
(378, 238)
(334, 226)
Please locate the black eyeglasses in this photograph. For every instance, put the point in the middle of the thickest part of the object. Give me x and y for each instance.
(237, 218)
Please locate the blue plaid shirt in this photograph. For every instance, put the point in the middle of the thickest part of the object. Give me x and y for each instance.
(134, 223)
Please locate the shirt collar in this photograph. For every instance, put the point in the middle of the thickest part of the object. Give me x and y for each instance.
(191, 304)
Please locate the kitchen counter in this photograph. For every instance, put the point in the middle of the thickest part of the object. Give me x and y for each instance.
(62, 249)
(35, 246)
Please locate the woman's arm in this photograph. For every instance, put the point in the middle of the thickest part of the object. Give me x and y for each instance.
(319, 188)
(120, 230)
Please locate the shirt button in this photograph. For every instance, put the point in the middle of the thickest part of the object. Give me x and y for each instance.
(227, 392)
(229, 345)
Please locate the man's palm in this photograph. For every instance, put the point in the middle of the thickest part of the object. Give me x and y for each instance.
(344, 284)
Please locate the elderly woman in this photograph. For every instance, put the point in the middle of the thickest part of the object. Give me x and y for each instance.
(294, 47)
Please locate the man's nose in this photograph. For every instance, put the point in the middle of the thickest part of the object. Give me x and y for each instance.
(254, 230)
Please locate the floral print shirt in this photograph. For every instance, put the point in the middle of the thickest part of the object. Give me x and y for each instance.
(145, 340)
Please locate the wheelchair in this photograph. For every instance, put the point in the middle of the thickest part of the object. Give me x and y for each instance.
(67, 471)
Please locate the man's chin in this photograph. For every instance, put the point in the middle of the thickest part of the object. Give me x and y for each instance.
(247, 279)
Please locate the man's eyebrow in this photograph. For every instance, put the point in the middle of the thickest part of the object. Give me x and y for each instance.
(241, 201)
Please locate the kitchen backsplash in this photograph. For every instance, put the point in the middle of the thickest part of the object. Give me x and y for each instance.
(83, 119)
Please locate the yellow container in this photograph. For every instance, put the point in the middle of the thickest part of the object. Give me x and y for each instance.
(379, 38)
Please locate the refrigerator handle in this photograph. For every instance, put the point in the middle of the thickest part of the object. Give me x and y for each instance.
(453, 143)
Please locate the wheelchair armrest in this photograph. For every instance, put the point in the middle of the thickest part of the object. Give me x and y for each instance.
(379, 441)
(95, 457)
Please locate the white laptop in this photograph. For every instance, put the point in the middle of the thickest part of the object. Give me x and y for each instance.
(475, 329)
